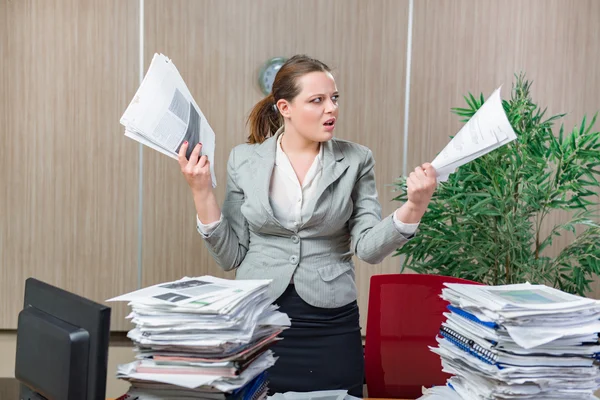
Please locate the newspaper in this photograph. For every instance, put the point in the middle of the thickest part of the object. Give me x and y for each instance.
(200, 334)
(163, 114)
(198, 292)
(487, 130)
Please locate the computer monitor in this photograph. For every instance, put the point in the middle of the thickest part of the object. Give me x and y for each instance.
(62, 345)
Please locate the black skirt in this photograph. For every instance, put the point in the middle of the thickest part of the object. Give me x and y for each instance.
(321, 351)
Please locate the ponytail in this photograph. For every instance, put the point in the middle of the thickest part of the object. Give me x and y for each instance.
(264, 120)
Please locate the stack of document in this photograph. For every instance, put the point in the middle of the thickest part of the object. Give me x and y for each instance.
(202, 337)
(163, 114)
(518, 342)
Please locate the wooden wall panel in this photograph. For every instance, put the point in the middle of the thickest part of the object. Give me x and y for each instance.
(218, 46)
(68, 208)
(463, 46)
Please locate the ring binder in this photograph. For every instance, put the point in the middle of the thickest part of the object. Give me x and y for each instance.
(469, 346)
(518, 341)
(471, 317)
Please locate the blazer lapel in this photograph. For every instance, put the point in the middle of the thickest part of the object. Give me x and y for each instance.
(262, 168)
(334, 165)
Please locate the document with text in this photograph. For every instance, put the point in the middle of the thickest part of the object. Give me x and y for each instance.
(163, 114)
(486, 131)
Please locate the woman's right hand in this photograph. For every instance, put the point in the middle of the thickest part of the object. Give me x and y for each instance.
(196, 171)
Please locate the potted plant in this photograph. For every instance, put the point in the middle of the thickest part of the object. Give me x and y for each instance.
(486, 222)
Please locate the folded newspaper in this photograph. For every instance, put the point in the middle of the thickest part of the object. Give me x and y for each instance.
(487, 130)
(163, 114)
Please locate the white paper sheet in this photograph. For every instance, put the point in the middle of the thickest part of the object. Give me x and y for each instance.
(487, 130)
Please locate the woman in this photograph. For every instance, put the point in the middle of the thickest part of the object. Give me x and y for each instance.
(299, 203)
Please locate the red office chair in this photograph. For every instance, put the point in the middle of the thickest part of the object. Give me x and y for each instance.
(405, 315)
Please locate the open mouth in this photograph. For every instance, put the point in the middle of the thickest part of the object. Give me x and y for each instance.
(330, 122)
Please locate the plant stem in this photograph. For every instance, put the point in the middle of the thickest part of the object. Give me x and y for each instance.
(544, 211)
(496, 266)
(538, 227)
(515, 206)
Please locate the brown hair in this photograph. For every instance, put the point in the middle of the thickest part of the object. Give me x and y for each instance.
(264, 119)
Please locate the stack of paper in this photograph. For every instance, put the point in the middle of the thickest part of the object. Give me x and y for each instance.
(163, 114)
(487, 130)
(202, 337)
(518, 342)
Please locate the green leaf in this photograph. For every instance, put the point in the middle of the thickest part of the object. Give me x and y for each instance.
(489, 221)
(468, 100)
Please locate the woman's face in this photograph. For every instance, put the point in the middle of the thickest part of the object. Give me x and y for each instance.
(313, 112)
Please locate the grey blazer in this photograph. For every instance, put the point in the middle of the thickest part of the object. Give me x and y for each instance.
(344, 218)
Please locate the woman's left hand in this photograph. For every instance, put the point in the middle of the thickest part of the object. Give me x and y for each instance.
(421, 184)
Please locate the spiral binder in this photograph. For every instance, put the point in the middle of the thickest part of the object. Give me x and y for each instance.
(252, 390)
(471, 317)
(469, 346)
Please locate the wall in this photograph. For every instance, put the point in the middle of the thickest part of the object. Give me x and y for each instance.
(68, 211)
(90, 211)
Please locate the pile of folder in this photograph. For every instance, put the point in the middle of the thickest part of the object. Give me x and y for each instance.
(204, 337)
(518, 342)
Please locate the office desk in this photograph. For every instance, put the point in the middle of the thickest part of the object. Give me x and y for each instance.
(366, 398)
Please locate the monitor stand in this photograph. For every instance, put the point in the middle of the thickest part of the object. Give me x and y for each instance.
(28, 394)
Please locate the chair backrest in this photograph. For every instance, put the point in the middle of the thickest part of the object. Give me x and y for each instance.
(405, 315)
